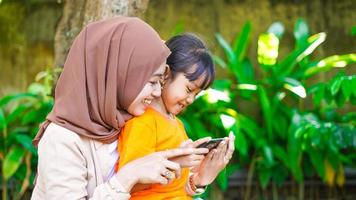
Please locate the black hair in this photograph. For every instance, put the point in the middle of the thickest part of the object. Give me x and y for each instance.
(191, 57)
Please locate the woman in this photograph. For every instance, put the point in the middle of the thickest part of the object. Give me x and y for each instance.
(112, 72)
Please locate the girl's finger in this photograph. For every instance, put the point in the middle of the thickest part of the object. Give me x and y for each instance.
(221, 150)
(200, 141)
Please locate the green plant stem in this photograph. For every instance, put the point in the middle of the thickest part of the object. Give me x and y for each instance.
(4, 188)
(301, 190)
(250, 178)
(4, 181)
(274, 191)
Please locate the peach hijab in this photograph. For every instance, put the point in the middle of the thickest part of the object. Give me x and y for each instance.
(107, 66)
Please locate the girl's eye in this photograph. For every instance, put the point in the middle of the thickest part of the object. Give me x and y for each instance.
(189, 90)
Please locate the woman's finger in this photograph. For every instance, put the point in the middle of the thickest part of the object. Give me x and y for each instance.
(162, 180)
(181, 152)
(186, 143)
(172, 166)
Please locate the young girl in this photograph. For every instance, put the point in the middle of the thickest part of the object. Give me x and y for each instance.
(191, 70)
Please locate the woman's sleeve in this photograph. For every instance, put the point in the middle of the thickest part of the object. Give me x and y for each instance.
(137, 139)
(63, 172)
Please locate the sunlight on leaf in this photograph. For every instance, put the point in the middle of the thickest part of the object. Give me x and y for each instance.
(214, 96)
(295, 86)
(315, 41)
(246, 87)
(227, 121)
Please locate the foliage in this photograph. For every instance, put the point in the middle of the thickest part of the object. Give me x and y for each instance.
(20, 115)
(286, 138)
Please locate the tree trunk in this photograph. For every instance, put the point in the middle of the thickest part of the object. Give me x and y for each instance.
(78, 13)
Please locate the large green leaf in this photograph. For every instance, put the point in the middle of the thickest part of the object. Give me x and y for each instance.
(8, 98)
(26, 142)
(230, 55)
(286, 66)
(264, 176)
(294, 86)
(266, 109)
(12, 161)
(241, 144)
(3, 123)
(241, 42)
(222, 180)
(335, 61)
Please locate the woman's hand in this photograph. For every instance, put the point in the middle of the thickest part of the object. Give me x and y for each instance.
(214, 162)
(190, 160)
(154, 168)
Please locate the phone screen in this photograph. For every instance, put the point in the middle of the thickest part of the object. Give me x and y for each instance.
(211, 144)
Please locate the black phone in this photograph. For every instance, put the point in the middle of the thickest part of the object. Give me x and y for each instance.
(211, 144)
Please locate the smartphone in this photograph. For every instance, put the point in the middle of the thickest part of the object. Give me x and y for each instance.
(211, 144)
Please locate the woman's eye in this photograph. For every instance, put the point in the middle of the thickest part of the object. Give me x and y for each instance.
(154, 82)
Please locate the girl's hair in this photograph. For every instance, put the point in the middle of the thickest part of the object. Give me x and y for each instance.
(191, 57)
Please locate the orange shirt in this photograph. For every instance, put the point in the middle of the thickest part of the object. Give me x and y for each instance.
(149, 133)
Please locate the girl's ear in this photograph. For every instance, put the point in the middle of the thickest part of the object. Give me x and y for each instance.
(166, 75)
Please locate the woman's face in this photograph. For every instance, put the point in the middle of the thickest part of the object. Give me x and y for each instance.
(177, 94)
(151, 90)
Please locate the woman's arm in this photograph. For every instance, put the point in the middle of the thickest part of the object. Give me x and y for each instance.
(63, 169)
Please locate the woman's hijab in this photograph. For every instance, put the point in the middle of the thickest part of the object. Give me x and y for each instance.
(107, 66)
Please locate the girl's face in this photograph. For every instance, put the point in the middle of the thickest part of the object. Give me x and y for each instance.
(177, 94)
(151, 90)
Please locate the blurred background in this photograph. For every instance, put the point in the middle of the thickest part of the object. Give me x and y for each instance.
(285, 87)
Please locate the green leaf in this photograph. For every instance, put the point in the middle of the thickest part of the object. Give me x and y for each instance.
(286, 66)
(12, 161)
(335, 85)
(347, 87)
(294, 86)
(248, 72)
(26, 142)
(335, 61)
(3, 123)
(281, 154)
(317, 161)
(222, 180)
(8, 98)
(268, 154)
(219, 61)
(17, 113)
(264, 177)
(241, 42)
(319, 94)
(301, 32)
(266, 109)
(228, 50)
(241, 144)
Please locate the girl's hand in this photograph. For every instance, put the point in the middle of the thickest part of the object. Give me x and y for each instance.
(214, 162)
(191, 160)
(154, 168)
